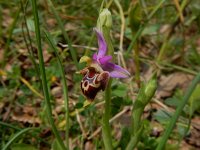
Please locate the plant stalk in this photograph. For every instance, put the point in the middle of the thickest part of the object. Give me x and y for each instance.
(43, 75)
(64, 83)
(106, 131)
(66, 37)
(137, 64)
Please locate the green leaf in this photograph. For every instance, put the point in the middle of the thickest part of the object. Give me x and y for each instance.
(124, 138)
(2, 92)
(194, 101)
(79, 105)
(120, 91)
(55, 145)
(182, 129)
(16, 72)
(22, 146)
(30, 24)
(162, 116)
(151, 29)
(116, 104)
(172, 101)
(172, 146)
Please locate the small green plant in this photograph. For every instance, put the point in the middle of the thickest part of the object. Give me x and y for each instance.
(131, 91)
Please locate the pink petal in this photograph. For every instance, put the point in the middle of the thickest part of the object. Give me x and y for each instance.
(116, 71)
(101, 42)
(94, 57)
(105, 59)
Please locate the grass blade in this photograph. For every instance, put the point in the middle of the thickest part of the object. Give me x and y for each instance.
(172, 123)
(106, 130)
(9, 125)
(15, 137)
(64, 82)
(28, 41)
(66, 37)
(43, 75)
(142, 27)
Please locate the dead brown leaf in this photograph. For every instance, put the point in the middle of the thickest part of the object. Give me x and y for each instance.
(26, 114)
(167, 84)
(194, 136)
(89, 145)
(57, 91)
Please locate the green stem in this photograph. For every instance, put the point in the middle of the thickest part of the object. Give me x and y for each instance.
(144, 96)
(172, 123)
(43, 75)
(163, 48)
(137, 110)
(142, 27)
(135, 139)
(30, 50)
(179, 68)
(66, 37)
(138, 33)
(9, 125)
(165, 64)
(137, 64)
(106, 131)
(65, 88)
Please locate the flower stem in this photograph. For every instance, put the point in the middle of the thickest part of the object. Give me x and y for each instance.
(43, 75)
(145, 94)
(106, 131)
(137, 64)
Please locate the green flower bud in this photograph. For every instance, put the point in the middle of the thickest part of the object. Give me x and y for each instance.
(105, 19)
(150, 88)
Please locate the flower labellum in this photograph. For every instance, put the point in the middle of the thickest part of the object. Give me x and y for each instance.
(93, 81)
(99, 70)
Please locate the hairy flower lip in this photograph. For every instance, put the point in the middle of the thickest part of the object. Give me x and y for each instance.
(103, 60)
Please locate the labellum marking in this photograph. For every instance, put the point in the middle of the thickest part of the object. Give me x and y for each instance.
(93, 81)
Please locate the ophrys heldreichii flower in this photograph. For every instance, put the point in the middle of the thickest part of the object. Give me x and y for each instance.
(99, 70)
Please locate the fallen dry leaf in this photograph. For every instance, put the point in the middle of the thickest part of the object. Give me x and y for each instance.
(167, 84)
(194, 138)
(26, 114)
(89, 145)
(57, 91)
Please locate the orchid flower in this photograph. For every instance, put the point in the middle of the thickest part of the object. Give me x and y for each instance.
(104, 61)
(99, 70)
